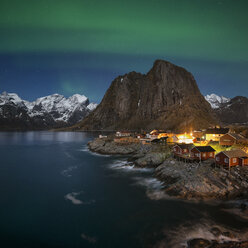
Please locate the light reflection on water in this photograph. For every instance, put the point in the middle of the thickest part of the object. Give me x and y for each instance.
(27, 138)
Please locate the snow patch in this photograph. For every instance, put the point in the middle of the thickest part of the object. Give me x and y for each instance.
(92, 106)
(215, 100)
(56, 106)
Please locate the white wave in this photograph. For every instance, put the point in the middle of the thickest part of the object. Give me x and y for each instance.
(86, 149)
(154, 187)
(90, 239)
(149, 182)
(69, 155)
(67, 172)
(73, 198)
(128, 167)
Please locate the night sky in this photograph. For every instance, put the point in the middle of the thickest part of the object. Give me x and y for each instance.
(80, 46)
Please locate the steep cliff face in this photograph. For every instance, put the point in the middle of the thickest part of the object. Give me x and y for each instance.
(167, 97)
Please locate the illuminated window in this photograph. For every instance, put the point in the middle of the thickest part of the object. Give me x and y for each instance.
(234, 160)
(204, 155)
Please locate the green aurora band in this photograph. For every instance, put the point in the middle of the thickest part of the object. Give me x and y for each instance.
(213, 30)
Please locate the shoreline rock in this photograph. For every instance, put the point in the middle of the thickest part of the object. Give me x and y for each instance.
(108, 146)
(185, 181)
(202, 181)
(204, 243)
(188, 181)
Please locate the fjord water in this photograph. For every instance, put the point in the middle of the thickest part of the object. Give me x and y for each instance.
(55, 193)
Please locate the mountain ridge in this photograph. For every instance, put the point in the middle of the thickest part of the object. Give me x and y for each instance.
(232, 111)
(216, 101)
(51, 111)
(167, 97)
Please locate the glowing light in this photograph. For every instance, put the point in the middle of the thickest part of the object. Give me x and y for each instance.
(185, 138)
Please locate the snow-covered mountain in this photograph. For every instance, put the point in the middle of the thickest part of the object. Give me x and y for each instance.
(46, 112)
(229, 110)
(215, 100)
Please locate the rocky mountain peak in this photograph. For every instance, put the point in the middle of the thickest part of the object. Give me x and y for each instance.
(167, 97)
(79, 99)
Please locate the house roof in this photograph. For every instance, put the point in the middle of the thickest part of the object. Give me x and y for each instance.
(235, 153)
(174, 136)
(185, 146)
(237, 136)
(205, 148)
(217, 131)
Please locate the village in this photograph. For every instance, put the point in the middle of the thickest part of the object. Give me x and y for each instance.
(220, 145)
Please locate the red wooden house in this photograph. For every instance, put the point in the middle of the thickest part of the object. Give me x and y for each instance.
(202, 153)
(230, 139)
(182, 149)
(231, 158)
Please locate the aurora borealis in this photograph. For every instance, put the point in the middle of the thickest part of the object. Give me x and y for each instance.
(49, 46)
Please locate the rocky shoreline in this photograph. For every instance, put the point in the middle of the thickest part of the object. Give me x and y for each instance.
(200, 181)
(188, 181)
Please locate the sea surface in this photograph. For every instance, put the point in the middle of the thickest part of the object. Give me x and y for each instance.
(54, 192)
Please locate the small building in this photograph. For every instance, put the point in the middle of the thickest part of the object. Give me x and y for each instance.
(162, 135)
(230, 139)
(152, 136)
(154, 131)
(214, 134)
(162, 140)
(182, 149)
(156, 134)
(198, 134)
(145, 141)
(202, 152)
(140, 136)
(102, 136)
(232, 158)
(185, 138)
(122, 134)
(172, 139)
